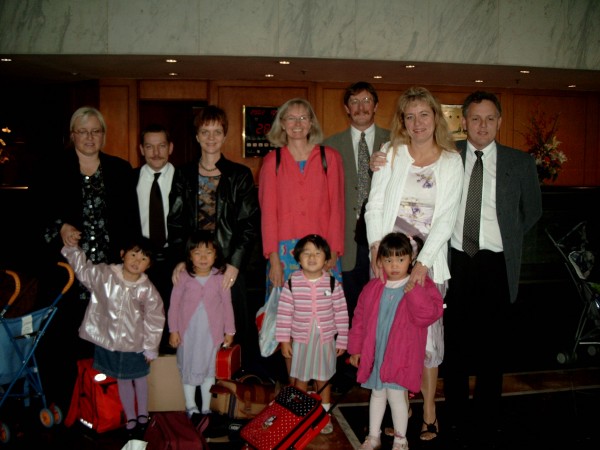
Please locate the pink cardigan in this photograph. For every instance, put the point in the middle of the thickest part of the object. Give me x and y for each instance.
(405, 351)
(294, 204)
(188, 293)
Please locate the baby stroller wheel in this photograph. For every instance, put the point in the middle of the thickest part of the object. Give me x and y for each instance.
(57, 413)
(4, 433)
(46, 417)
(566, 357)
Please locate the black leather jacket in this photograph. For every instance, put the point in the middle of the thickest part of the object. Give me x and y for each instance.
(238, 213)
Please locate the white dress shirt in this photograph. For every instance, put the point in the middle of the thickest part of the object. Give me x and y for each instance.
(143, 192)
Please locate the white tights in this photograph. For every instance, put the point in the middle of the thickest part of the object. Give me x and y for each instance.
(189, 393)
(398, 400)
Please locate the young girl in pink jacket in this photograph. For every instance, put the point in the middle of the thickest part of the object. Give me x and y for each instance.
(388, 336)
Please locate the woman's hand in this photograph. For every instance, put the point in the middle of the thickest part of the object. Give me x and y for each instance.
(378, 160)
(229, 276)
(355, 360)
(417, 276)
(375, 268)
(180, 267)
(331, 263)
(275, 271)
(70, 235)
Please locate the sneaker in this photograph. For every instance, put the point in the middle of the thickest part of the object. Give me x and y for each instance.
(327, 429)
(371, 443)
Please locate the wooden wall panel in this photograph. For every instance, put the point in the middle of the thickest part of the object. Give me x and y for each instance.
(579, 126)
(571, 129)
(119, 106)
(173, 90)
(232, 96)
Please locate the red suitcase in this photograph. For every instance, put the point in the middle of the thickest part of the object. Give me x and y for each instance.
(291, 421)
(229, 361)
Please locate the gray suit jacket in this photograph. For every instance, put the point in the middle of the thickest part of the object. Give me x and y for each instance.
(518, 205)
(342, 142)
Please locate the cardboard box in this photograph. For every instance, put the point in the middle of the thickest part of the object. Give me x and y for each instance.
(165, 391)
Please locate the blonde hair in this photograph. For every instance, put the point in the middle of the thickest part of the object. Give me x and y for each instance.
(278, 137)
(399, 134)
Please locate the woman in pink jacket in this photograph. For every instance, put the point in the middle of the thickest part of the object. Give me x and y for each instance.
(389, 317)
(301, 191)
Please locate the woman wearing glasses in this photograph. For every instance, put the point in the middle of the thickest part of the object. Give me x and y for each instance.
(87, 198)
(301, 192)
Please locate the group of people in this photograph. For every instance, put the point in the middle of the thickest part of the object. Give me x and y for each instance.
(367, 233)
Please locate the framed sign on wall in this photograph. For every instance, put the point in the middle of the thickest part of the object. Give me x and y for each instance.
(453, 115)
(257, 123)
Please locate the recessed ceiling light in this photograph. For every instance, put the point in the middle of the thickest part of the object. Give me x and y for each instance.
(377, 77)
(269, 75)
(478, 81)
(572, 85)
(284, 62)
(6, 60)
(410, 66)
(171, 60)
(524, 71)
(173, 74)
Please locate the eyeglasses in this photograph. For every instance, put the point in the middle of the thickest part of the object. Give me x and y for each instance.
(292, 119)
(87, 133)
(364, 101)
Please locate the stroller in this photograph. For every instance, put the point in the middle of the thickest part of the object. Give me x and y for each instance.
(19, 338)
(579, 260)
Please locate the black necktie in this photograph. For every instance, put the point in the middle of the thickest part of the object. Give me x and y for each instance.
(473, 208)
(364, 177)
(157, 215)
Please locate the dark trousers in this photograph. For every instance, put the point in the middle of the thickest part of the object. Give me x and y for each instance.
(475, 327)
(354, 280)
(160, 273)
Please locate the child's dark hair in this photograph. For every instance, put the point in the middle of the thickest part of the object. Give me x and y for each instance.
(398, 244)
(196, 239)
(142, 245)
(317, 241)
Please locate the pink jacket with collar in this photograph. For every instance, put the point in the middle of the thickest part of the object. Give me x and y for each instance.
(405, 352)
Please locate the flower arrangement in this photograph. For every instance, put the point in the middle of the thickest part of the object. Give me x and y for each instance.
(543, 145)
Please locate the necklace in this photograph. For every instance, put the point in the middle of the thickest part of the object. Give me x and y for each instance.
(205, 168)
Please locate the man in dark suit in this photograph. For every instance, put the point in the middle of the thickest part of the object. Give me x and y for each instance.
(156, 147)
(360, 103)
(484, 280)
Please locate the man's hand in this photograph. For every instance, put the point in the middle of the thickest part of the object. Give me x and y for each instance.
(378, 160)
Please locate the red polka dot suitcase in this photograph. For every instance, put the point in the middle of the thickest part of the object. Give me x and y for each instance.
(291, 421)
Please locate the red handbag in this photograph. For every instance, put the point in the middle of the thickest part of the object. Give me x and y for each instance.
(229, 361)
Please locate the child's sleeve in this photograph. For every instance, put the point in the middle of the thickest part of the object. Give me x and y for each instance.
(425, 304)
(340, 310)
(229, 320)
(285, 310)
(356, 333)
(86, 272)
(154, 321)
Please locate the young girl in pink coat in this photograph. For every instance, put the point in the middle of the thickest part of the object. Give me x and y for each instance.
(388, 336)
(200, 319)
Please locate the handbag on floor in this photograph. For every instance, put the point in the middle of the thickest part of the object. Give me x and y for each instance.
(241, 399)
(95, 402)
(173, 430)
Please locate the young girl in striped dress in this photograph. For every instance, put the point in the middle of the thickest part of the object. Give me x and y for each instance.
(312, 311)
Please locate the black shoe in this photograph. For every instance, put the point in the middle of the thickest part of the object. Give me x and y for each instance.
(131, 433)
(141, 427)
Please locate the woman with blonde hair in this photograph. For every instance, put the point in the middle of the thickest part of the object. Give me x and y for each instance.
(417, 192)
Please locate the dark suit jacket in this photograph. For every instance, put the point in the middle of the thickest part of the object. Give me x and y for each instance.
(342, 142)
(518, 205)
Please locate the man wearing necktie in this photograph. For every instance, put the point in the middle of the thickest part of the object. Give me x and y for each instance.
(501, 201)
(355, 144)
(154, 181)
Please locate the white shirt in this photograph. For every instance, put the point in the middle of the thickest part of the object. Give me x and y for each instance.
(143, 192)
(489, 231)
(369, 137)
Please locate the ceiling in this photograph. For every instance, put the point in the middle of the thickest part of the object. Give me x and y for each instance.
(68, 68)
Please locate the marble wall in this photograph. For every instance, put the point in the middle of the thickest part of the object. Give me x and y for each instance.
(538, 33)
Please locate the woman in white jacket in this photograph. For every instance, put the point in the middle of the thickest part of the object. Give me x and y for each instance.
(417, 191)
